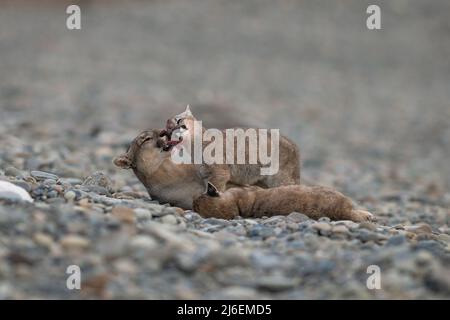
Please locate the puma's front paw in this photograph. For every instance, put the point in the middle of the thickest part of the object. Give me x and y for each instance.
(362, 215)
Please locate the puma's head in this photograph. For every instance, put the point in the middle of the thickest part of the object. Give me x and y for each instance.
(144, 152)
(213, 203)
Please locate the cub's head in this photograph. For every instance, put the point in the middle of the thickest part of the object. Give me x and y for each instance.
(179, 126)
(144, 151)
(179, 119)
(215, 204)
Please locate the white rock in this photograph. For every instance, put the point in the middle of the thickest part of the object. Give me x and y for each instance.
(13, 192)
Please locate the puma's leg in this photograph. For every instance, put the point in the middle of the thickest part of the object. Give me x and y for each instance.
(218, 175)
(358, 215)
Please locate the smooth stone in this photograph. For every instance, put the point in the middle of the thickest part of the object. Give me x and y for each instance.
(143, 242)
(124, 214)
(12, 192)
(169, 219)
(340, 229)
(43, 239)
(22, 184)
(71, 181)
(368, 226)
(444, 237)
(41, 175)
(366, 235)
(420, 228)
(70, 195)
(424, 258)
(74, 242)
(49, 182)
(322, 227)
(143, 214)
(98, 179)
(277, 283)
(215, 221)
(261, 231)
(396, 240)
(297, 217)
(265, 261)
(12, 172)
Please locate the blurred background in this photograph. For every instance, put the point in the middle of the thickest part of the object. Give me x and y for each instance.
(369, 109)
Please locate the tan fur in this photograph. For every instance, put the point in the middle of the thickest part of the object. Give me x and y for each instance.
(223, 175)
(167, 182)
(179, 184)
(315, 202)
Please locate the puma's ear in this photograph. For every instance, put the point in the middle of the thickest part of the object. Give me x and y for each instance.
(188, 111)
(122, 161)
(212, 190)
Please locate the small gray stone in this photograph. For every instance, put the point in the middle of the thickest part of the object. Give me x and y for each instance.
(143, 214)
(277, 283)
(396, 240)
(322, 227)
(169, 219)
(143, 242)
(98, 179)
(22, 184)
(41, 175)
(12, 172)
(261, 231)
(297, 217)
(70, 195)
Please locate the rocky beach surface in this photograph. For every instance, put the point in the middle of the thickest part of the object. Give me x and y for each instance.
(369, 111)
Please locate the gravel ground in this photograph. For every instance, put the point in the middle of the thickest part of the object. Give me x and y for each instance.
(369, 109)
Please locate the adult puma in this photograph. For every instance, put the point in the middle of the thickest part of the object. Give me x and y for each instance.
(180, 184)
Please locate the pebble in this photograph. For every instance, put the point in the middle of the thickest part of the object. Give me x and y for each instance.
(98, 179)
(261, 231)
(74, 242)
(444, 237)
(277, 283)
(143, 242)
(322, 227)
(396, 240)
(340, 229)
(422, 228)
(13, 172)
(143, 214)
(43, 239)
(70, 195)
(41, 175)
(297, 217)
(169, 219)
(13, 192)
(124, 214)
(24, 185)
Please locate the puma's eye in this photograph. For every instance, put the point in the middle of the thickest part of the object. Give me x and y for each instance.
(145, 139)
(179, 120)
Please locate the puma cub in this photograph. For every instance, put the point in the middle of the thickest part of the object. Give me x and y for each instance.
(181, 126)
(255, 202)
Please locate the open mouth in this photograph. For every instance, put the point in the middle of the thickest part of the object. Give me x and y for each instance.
(174, 136)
